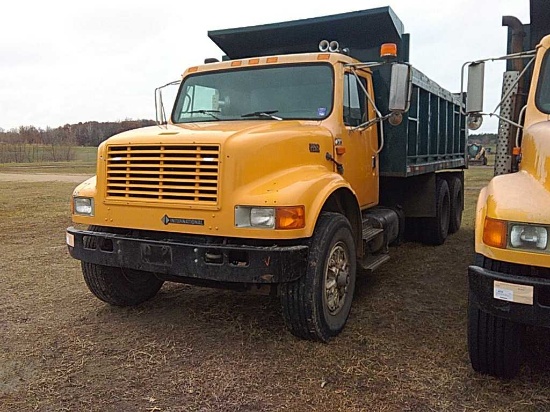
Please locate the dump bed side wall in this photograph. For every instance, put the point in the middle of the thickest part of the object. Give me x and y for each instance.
(432, 135)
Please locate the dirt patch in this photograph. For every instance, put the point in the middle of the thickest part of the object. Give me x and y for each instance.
(42, 177)
(196, 349)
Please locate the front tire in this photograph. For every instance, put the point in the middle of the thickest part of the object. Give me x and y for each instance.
(494, 343)
(118, 286)
(317, 305)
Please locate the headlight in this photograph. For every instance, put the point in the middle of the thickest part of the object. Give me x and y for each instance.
(260, 217)
(84, 206)
(528, 237)
(511, 235)
(287, 217)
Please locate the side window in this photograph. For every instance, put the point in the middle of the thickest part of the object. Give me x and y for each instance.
(542, 98)
(355, 101)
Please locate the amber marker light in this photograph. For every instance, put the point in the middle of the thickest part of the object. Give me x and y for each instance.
(516, 151)
(340, 150)
(324, 56)
(388, 50)
(494, 232)
(292, 217)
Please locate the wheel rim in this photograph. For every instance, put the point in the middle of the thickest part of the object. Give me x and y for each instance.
(337, 278)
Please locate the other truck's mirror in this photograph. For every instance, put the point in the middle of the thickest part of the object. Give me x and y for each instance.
(159, 108)
(474, 96)
(400, 92)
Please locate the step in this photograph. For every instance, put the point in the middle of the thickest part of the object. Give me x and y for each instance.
(370, 233)
(373, 261)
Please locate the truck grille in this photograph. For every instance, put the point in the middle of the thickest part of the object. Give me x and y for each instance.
(180, 174)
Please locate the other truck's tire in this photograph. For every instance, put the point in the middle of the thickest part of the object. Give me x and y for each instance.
(117, 286)
(456, 193)
(494, 343)
(437, 228)
(317, 305)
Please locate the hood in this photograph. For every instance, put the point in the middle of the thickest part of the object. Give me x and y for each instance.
(214, 132)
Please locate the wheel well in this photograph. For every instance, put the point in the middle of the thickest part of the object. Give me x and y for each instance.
(343, 201)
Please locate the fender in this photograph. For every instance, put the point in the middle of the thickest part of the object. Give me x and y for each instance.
(87, 188)
(516, 197)
(310, 186)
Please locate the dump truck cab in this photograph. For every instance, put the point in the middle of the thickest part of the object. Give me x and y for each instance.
(509, 283)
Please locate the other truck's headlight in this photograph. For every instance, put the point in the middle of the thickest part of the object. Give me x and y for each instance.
(512, 235)
(288, 217)
(84, 206)
(528, 237)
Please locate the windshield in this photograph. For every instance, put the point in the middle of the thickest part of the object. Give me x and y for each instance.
(543, 89)
(276, 93)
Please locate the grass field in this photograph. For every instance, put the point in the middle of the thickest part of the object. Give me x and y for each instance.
(195, 349)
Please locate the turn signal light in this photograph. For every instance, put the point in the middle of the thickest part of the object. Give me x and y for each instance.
(494, 232)
(290, 217)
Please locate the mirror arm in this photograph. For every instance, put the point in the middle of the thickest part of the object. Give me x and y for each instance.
(513, 84)
(504, 119)
(160, 114)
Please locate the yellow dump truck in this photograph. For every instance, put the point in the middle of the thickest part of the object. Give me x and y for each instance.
(302, 154)
(509, 283)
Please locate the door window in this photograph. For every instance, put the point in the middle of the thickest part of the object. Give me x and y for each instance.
(354, 100)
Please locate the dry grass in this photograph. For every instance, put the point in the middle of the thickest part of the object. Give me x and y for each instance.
(194, 349)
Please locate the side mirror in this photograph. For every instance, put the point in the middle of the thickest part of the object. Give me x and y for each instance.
(400, 92)
(474, 95)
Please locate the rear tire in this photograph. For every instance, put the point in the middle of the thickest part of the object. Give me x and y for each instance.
(456, 195)
(437, 227)
(317, 305)
(118, 286)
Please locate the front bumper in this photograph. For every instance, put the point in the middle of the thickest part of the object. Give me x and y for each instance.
(194, 258)
(483, 288)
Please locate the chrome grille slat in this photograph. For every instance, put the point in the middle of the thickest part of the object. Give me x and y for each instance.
(187, 174)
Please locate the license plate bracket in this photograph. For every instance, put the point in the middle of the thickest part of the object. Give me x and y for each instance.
(159, 255)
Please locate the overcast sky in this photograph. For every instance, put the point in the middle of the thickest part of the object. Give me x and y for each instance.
(69, 62)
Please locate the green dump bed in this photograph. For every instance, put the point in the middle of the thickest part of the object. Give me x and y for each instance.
(432, 135)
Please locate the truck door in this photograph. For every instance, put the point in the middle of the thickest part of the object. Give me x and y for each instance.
(360, 160)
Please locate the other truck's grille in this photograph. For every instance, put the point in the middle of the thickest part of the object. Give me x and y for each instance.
(179, 173)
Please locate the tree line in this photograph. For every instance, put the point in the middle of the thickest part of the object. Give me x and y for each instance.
(33, 144)
(483, 138)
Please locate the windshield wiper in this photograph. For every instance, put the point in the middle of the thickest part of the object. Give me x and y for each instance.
(208, 112)
(268, 113)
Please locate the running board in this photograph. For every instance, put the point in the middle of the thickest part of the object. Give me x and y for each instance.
(370, 233)
(371, 262)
